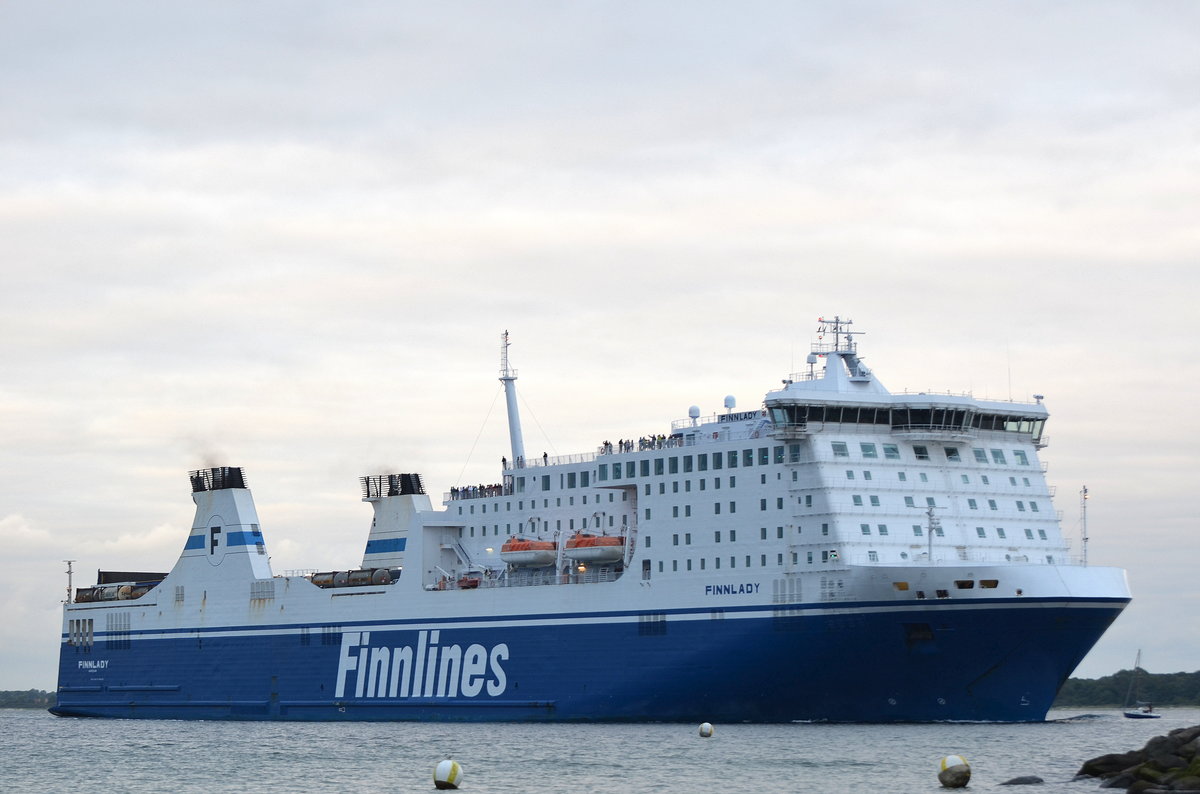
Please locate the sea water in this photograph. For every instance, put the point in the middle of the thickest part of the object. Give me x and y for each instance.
(45, 753)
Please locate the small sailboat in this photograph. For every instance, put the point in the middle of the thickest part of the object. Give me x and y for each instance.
(1135, 708)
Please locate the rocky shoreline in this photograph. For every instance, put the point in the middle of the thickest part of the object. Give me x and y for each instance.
(1166, 763)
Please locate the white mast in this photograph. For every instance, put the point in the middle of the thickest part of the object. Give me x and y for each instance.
(1083, 497)
(508, 376)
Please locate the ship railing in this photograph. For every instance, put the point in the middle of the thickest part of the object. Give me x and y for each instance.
(299, 573)
(626, 446)
(552, 460)
(591, 575)
(477, 492)
(725, 420)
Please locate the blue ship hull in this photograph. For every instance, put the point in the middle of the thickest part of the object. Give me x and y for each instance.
(996, 660)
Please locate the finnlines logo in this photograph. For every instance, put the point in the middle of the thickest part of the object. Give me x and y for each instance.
(428, 670)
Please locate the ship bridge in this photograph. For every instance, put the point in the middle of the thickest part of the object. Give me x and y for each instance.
(844, 391)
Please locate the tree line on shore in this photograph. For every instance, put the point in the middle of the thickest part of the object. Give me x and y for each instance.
(26, 699)
(1162, 689)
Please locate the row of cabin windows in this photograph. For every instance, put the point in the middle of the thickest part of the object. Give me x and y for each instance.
(558, 502)
(992, 505)
(629, 469)
(919, 531)
(826, 557)
(869, 451)
(902, 476)
(730, 535)
(702, 563)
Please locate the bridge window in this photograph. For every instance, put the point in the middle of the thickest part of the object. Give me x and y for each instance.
(921, 452)
(891, 451)
(868, 450)
(840, 450)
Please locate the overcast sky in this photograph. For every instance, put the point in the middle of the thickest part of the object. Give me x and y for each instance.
(287, 236)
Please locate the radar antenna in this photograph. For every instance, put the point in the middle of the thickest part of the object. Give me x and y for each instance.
(839, 328)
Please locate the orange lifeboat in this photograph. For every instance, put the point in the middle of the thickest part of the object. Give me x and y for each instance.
(526, 553)
(585, 547)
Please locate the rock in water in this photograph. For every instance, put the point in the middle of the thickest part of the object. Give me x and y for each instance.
(1024, 780)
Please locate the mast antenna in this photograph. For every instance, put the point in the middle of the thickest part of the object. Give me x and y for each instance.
(1083, 497)
(70, 575)
(508, 376)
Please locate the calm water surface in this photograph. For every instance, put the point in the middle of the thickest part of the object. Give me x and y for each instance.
(45, 753)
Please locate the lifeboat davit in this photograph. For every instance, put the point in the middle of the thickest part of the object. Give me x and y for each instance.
(586, 547)
(525, 553)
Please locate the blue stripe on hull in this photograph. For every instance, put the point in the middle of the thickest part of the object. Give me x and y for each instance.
(981, 663)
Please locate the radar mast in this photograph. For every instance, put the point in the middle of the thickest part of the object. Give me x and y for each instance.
(508, 376)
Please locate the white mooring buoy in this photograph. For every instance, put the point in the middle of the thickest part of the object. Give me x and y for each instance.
(955, 772)
(706, 729)
(447, 775)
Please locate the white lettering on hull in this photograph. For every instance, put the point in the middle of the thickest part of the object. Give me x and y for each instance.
(430, 670)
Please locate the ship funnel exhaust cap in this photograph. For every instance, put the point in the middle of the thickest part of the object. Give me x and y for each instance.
(218, 478)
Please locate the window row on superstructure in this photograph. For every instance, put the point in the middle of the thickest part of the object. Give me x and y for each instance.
(905, 418)
(869, 451)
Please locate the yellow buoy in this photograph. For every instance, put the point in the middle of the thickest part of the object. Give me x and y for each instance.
(955, 772)
(447, 775)
(706, 729)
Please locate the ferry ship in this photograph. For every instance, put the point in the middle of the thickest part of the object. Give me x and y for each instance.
(839, 552)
